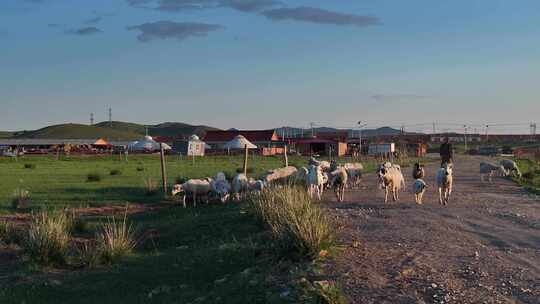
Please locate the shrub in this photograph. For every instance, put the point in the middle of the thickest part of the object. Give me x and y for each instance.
(528, 175)
(151, 186)
(115, 172)
(47, 239)
(140, 169)
(249, 170)
(115, 240)
(294, 220)
(180, 179)
(20, 198)
(88, 254)
(29, 166)
(9, 234)
(93, 177)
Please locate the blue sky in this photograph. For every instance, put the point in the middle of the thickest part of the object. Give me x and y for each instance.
(264, 63)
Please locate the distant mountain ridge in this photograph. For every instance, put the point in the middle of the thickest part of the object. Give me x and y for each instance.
(383, 131)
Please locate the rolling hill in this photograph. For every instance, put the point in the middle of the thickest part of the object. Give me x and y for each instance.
(170, 129)
(77, 131)
(119, 131)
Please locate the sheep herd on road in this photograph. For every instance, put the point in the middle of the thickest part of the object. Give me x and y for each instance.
(318, 176)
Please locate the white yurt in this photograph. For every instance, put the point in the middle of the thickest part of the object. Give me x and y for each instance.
(239, 142)
(148, 144)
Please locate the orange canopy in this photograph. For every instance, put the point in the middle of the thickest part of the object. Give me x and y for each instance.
(101, 142)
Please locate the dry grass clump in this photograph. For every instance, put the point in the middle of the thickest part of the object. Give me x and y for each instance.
(47, 238)
(115, 240)
(10, 234)
(150, 185)
(93, 177)
(294, 220)
(20, 198)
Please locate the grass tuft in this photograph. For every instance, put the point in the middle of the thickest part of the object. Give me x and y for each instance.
(47, 238)
(10, 234)
(295, 221)
(29, 166)
(150, 186)
(20, 198)
(116, 240)
(114, 172)
(93, 177)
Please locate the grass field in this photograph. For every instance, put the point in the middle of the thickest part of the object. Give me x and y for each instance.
(209, 254)
(64, 182)
(531, 175)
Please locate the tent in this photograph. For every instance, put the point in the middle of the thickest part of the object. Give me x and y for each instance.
(101, 143)
(148, 144)
(239, 142)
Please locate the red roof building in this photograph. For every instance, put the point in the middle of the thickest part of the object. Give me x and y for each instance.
(254, 136)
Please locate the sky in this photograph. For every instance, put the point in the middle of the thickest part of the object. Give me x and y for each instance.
(266, 63)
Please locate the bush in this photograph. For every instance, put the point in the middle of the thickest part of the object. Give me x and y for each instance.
(151, 186)
(294, 220)
(9, 234)
(528, 175)
(20, 199)
(115, 240)
(88, 254)
(47, 239)
(93, 177)
(115, 172)
(180, 179)
(140, 169)
(29, 166)
(249, 170)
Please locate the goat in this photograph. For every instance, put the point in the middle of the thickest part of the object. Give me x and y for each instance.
(239, 186)
(419, 188)
(338, 181)
(316, 181)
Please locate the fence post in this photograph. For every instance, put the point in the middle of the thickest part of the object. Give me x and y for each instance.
(285, 155)
(163, 168)
(245, 159)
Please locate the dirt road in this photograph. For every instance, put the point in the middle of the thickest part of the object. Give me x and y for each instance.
(482, 248)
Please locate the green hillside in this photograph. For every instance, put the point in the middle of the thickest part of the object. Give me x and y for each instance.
(77, 131)
(6, 134)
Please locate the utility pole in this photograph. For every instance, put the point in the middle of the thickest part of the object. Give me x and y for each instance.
(312, 124)
(91, 119)
(360, 126)
(434, 129)
(465, 137)
(487, 133)
(110, 117)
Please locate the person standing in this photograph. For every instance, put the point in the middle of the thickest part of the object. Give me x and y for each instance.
(447, 152)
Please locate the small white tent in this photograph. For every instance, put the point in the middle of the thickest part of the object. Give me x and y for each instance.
(148, 144)
(239, 142)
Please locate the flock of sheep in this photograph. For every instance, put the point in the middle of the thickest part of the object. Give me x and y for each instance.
(316, 177)
(321, 175)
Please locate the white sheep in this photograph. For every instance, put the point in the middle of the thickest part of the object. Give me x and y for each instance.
(444, 183)
(316, 181)
(194, 187)
(281, 174)
(390, 179)
(490, 170)
(511, 167)
(354, 173)
(221, 187)
(239, 186)
(338, 181)
(255, 185)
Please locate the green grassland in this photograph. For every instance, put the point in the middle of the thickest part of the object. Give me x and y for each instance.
(531, 175)
(209, 254)
(59, 183)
